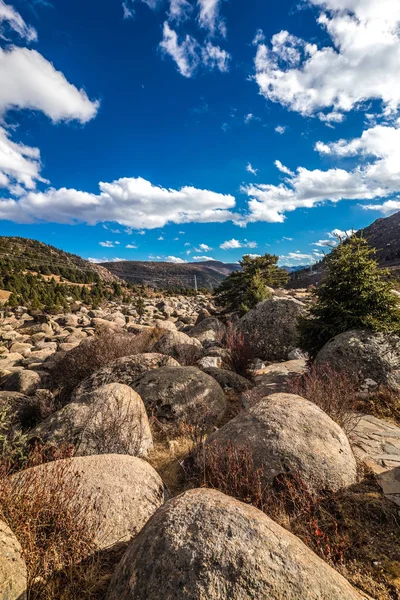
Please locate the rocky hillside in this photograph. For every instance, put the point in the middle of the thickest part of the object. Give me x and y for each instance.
(152, 455)
(382, 234)
(35, 256)
(166, 275)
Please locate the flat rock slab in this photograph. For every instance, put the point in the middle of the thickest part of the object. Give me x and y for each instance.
(275, 378)
(377, 443)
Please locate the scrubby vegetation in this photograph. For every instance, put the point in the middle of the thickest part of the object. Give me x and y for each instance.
(243, 289)
(72, 367)
(354, 294)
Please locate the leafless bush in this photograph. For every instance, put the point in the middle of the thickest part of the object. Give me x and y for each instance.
(187, 355)
(72, 367)
(34, 409)
(336, 393)
(52, 525)
(241, 352)
(115, 426)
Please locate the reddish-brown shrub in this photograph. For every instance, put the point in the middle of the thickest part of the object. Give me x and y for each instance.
(52, 525)
(241, 352)
(187, 355)
(335, 393)
(72, 367)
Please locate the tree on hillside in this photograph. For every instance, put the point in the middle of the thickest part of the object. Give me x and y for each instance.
(243, 289)
(354, 294)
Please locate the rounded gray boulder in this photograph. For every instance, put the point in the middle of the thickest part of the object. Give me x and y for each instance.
(205, 545)
(124, 370)
(286, 433)
(13, 574)
(367, 354)
(181, 394)
(271, 327)
(110, 419)
(120, 493)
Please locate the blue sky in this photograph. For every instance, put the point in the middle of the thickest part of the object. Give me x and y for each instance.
(179, 130)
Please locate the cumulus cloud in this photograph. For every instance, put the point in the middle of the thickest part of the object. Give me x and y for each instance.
(203, 248)
(19, 165)
(280, 129)
(132, 202)
(131, 246)
(175, 259)
(387, 208)
(251, 169)
(297, 258)
(9, 16)
(104, 259)
(203, 258)
(283, 169)
(107, 244)
(362, 63)
(233, 244)
(377, 177)
(188, 54)
(28, 80)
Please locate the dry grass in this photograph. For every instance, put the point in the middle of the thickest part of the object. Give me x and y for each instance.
(51, 525)
(335, 393)
(384, 404)
(72, 367)
(356, 530)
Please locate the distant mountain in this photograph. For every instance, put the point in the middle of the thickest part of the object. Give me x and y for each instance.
(32, 255)
(294, 269)
(165, 275)
(383, 234)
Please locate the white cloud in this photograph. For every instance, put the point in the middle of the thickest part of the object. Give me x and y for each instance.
(189, 54)
(333, 238)
(280, 129)
(185, 54)
(282, 168)
(203, 258)
(297, 258)
(175, 259)
(131, 246)
(377, 177)
(19, 164)
(251, 169)
(29, 81)
(107, 244)
(179, 10)
(253, 255)
(250, 117)
(209, 17)
(131, 202)
(386, 208)
(14, 20)
(233, 244)
(258, 38)
(335, 233)
(203, 248)
(104, 259)
(324, 243)
(287, 239)
(160, 239)
(362, 64)
(214, 57)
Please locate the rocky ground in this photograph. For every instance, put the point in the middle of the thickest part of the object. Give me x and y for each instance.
(153, 410)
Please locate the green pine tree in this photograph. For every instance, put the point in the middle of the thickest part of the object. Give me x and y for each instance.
(243, 289)
(354, 294)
